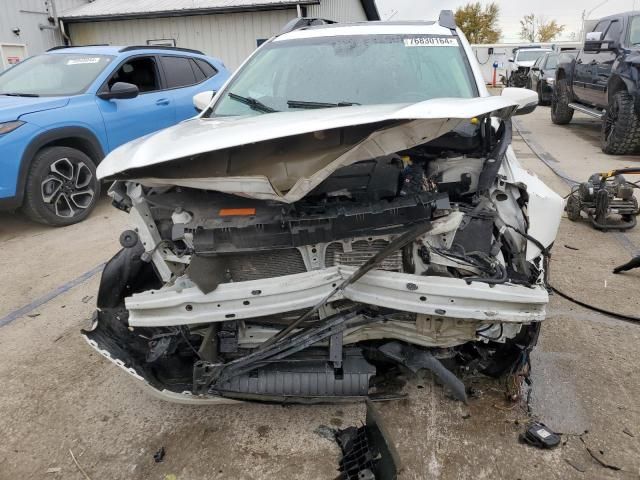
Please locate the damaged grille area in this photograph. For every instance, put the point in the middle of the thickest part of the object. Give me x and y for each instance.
(259, 265)
(355, 254)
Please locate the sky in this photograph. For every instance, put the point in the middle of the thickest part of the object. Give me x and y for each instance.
(565, 12)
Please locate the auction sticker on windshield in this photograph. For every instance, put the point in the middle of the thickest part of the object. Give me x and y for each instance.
(82, 61)
(431, 42)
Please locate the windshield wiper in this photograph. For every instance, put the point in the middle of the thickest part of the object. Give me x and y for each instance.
(12, 94)
(252, 103)
(303, 104)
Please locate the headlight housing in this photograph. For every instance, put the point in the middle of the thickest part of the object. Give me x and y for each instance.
(550, 80)
(8, 127)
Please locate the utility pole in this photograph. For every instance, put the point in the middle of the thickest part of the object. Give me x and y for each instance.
(586, 14)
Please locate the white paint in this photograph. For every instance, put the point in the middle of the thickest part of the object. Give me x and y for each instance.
(478, 301)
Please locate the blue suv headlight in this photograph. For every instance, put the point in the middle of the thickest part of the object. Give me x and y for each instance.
(8, 127)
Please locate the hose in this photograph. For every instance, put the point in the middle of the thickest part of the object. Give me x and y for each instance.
(618, 316)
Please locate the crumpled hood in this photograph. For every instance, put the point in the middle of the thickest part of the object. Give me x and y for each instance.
(283, 156)
(12, 108)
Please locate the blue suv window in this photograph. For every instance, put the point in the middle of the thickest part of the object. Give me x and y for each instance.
(140, 71)
(178, 72)
(207, 69)
(53, 74)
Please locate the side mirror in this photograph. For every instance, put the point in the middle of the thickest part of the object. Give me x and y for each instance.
(593, 37)
(535, 69)
(594, 42)
(511, 59)
(202, 100)
(526, 99)
(120, 91)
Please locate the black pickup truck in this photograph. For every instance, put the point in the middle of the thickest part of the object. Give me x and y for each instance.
(603, 81)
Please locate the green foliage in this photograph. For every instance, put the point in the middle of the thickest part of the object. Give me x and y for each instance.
(480, 25)
(534, 29)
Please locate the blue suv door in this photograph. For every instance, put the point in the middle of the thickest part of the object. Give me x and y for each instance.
(186, 76)
(153, 109)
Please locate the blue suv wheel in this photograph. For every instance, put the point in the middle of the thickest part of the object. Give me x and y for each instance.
(62, 187)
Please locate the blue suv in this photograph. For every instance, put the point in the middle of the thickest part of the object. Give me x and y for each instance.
(63, 111)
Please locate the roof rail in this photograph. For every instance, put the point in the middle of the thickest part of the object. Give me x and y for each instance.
(159, 47)
(447, 20)
(60, 47)
(304, 22)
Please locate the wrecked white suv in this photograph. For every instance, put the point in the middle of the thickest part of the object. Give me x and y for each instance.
(347, 203)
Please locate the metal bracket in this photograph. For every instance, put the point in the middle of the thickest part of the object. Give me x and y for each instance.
(335, 349)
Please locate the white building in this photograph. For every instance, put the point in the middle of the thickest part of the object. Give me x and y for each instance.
(28, 27)
(226, 29)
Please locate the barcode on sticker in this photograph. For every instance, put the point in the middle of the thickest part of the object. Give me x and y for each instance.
(543, 433)
(431, 42)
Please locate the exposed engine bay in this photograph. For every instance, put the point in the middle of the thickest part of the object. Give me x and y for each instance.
(425, 257)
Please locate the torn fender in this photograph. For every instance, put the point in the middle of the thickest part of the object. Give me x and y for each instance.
(283, 156)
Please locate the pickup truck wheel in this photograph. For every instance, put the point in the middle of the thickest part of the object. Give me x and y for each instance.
(620, 126)
(561, 113)
(62, 187)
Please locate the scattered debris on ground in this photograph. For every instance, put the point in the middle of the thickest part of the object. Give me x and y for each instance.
(84, 474)
(366, 451)
(158, 457)
(326, 432)
(539, 435)
(597, 458)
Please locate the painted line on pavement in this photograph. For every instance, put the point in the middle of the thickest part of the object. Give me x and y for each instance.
(22, 311)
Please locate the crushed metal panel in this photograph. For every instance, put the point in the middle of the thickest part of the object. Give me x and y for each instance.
(238, 156)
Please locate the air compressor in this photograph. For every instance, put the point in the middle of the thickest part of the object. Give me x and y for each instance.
(607, 199)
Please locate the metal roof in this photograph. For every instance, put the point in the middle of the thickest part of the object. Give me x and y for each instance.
(103, 9)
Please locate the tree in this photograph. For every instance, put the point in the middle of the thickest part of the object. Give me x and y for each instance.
(480, 25)
(534, 29)
(548, 31)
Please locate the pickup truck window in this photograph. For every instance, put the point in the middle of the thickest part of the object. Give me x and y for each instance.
(614, 31)
(552, 62)
(529, 55)
(602, 26)
(634, 31)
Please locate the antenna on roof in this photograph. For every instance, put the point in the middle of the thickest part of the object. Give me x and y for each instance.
(447, 19)
(304, 22)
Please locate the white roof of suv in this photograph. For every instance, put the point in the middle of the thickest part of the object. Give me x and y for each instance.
(369, 28)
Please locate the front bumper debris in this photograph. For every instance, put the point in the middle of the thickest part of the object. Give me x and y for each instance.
(184, 304)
